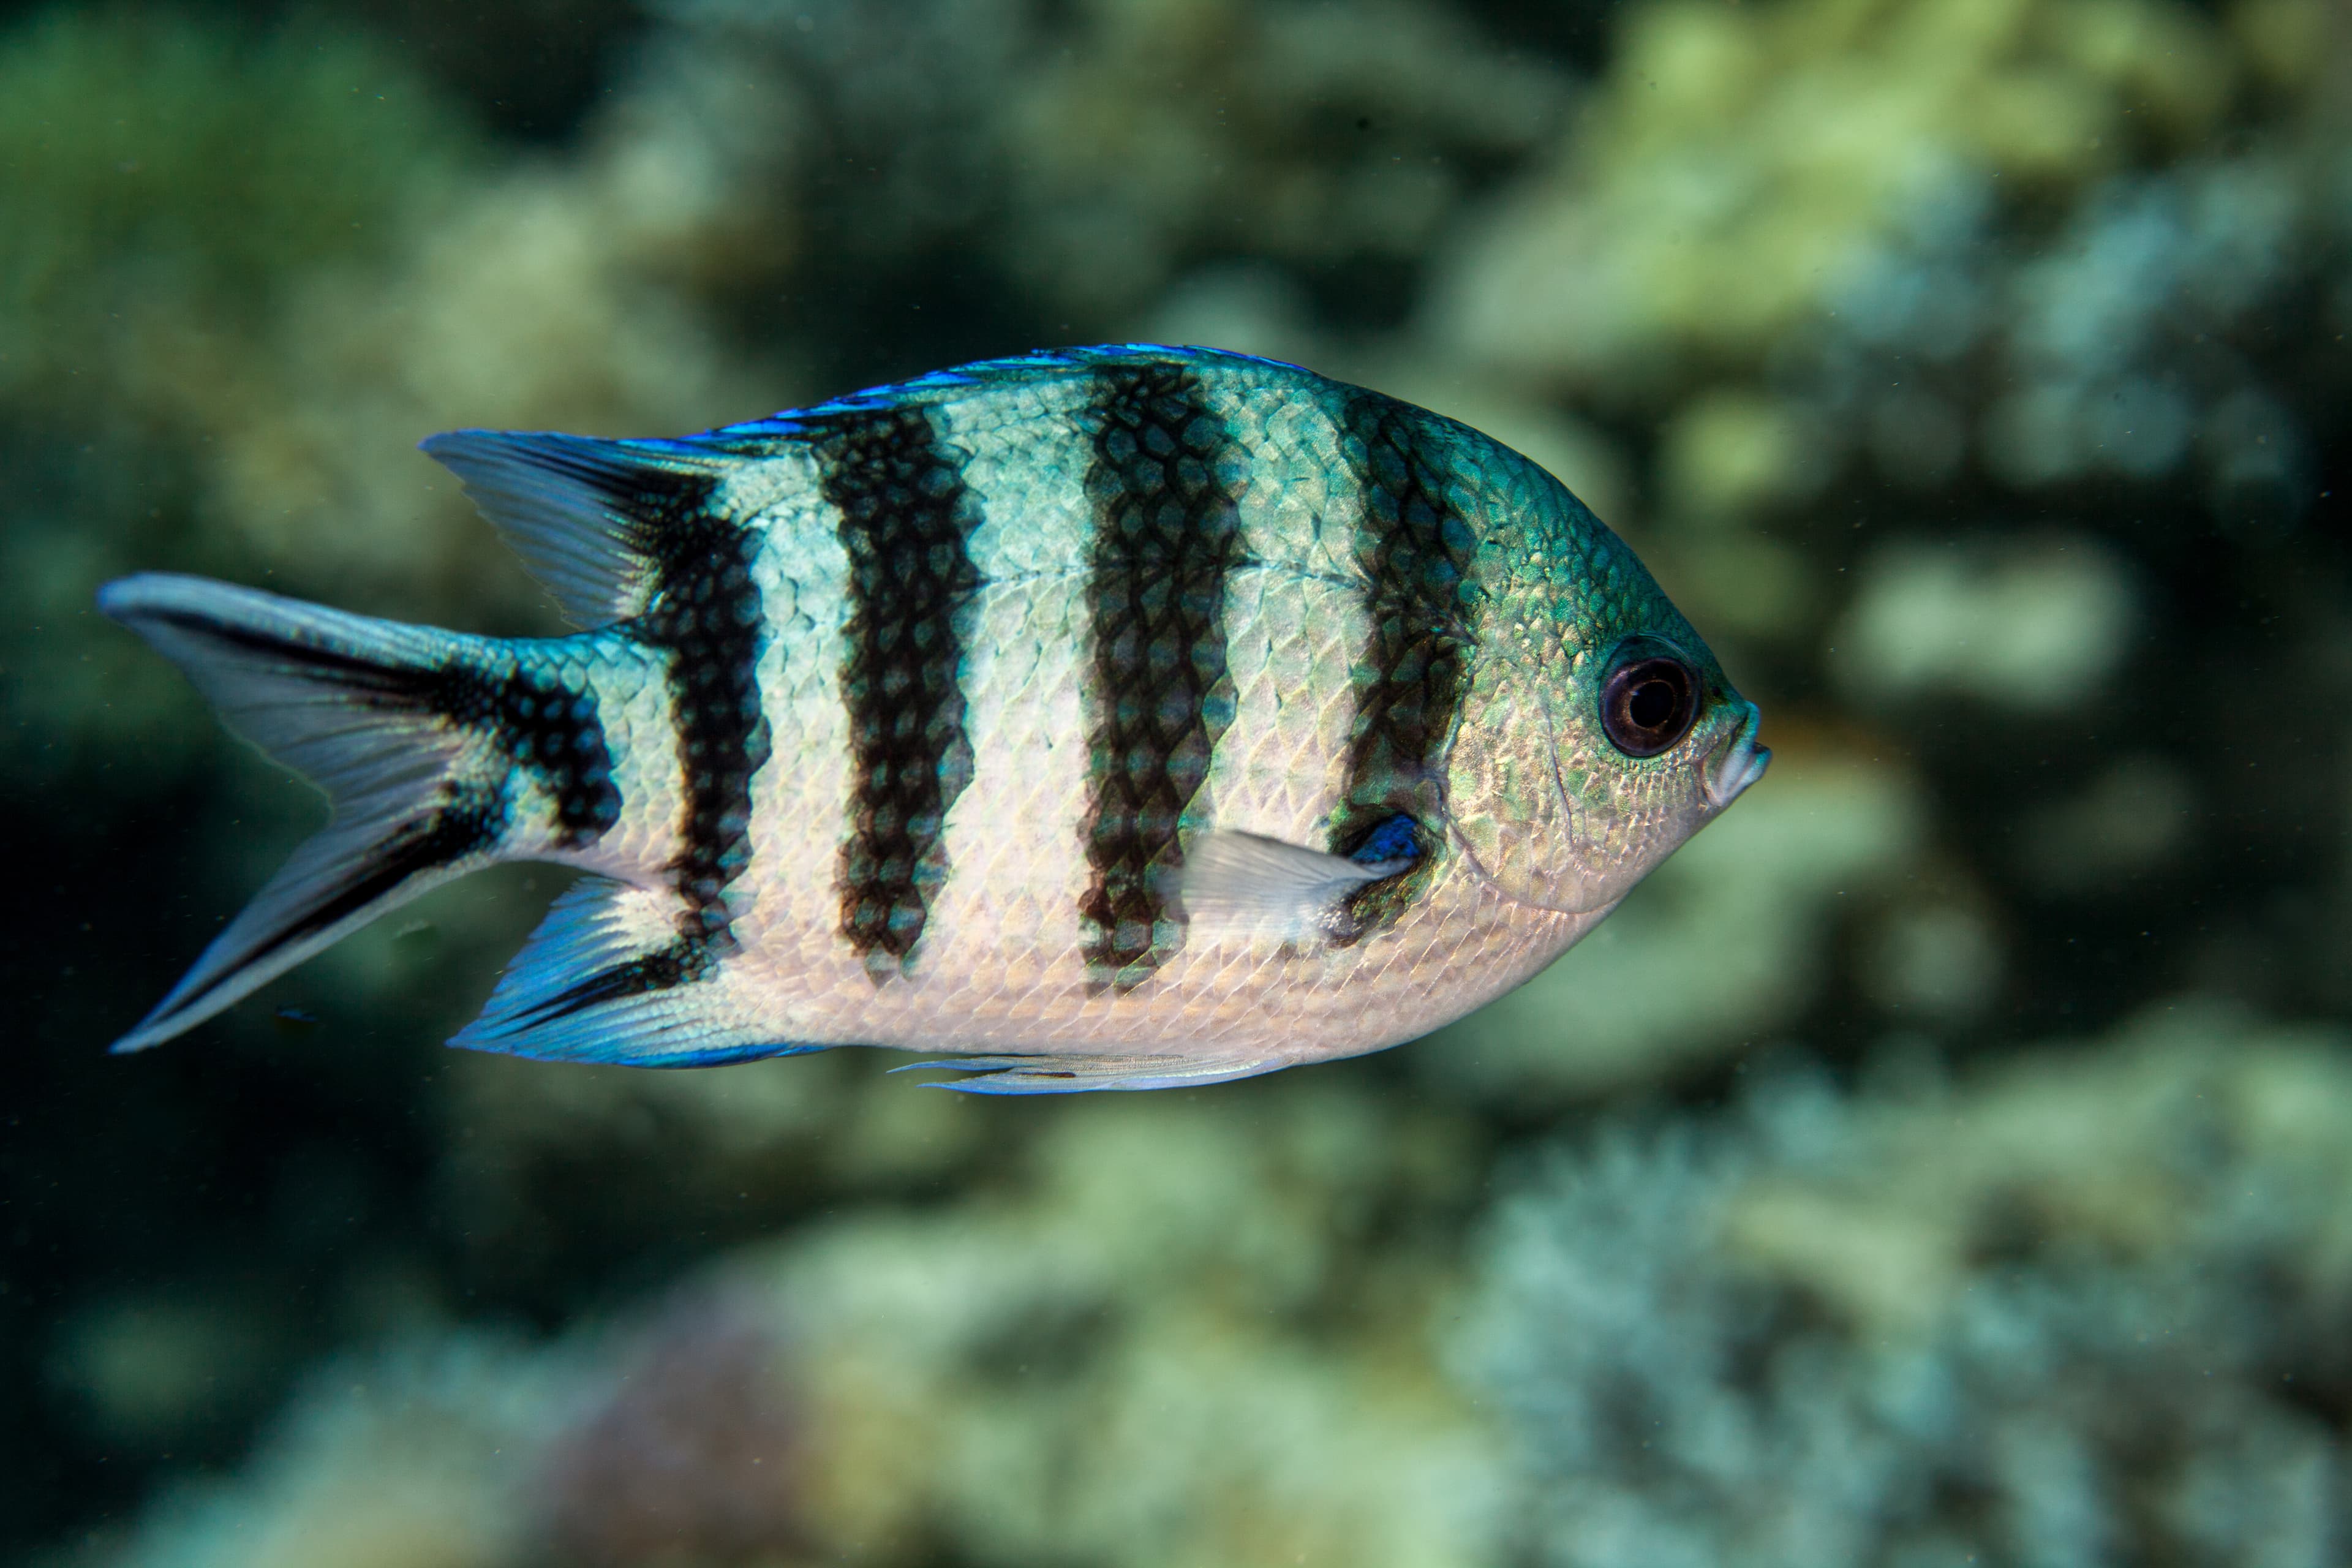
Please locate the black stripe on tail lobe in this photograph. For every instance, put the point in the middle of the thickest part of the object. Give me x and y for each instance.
(412, 732)
(467, 820)
(541, 722)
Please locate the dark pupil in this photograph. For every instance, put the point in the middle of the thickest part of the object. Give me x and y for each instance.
(1648, 705)
(1653, 705)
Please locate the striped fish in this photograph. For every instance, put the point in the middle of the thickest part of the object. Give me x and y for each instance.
(1106, 718)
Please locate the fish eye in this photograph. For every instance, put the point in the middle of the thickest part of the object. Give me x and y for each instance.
(1648, 704)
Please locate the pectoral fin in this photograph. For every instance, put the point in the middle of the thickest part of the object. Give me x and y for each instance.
(1237, 883)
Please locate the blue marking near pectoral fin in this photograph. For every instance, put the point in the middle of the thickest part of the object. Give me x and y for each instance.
(585, 515)
(1080, 1075)
(591, 987)
(1397, 839)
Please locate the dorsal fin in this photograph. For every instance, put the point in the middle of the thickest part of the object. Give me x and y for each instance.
(940, 384)
(584, 514)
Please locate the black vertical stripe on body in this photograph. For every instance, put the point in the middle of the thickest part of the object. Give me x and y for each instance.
(905, 524)
(1168, 531)
(704, 613)
(1417, 554)
(707, 614)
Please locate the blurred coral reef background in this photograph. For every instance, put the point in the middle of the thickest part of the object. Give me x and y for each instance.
(1945, 1159)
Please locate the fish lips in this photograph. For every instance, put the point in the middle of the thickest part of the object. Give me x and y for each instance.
(1737, 763)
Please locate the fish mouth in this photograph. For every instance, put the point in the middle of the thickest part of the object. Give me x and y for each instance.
(1737, 763)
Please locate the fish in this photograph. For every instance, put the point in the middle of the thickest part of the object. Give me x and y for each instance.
(1107, 717)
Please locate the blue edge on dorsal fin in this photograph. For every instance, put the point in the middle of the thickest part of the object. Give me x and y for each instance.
(574, 507)
(793, 421)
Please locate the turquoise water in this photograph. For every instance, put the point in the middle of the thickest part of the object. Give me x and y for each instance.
(1941, 1159)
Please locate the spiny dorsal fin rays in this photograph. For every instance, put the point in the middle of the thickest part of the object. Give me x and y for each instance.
(940, 385)
(582, 513)
(578, 509)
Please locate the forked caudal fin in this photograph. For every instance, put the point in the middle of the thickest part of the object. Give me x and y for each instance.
(364, 708)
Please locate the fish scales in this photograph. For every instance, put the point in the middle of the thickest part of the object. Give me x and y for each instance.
(704, 618)
(1166, 481)
(1107, 717)
(904, 528)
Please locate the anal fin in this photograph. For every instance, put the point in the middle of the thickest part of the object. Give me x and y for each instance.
(607, 978)
(1078, 1075)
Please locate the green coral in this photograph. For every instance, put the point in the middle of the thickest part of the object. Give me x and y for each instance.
(163, 182)
(157, 170)
(2075, 1310)
(1090, 155)
(1739, 161)
(1166, 1337)
(251, 273)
